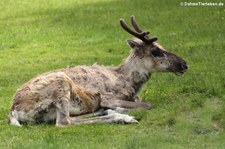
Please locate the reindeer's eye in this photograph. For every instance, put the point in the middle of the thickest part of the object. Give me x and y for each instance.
(157, 53)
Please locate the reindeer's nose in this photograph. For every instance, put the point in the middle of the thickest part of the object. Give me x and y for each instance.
(184, 66)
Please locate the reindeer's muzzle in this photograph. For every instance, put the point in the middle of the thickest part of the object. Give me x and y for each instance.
(181, 68)
(177, 64)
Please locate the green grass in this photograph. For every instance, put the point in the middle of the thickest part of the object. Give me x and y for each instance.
(189, 111)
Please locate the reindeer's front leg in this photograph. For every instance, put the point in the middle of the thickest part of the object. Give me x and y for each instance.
(110, 116)
(114, 103)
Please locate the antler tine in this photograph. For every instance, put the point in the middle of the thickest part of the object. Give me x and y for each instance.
(134, 23)
(153, 39)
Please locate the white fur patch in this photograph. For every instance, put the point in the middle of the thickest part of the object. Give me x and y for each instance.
(119, 118)
(14, 118)
(14, 121)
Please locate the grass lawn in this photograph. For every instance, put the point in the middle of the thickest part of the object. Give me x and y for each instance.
(189, 111)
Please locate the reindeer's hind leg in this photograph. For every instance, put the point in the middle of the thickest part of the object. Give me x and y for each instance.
(57, 87)
(62, 112)
(43, 99)
(62, 103)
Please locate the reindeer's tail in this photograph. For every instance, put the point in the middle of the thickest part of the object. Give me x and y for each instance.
(12, 119)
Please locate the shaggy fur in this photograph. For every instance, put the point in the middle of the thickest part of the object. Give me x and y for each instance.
(62, 95)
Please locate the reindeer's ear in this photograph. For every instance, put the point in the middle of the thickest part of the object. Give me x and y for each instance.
(132, 43)
(136, 47)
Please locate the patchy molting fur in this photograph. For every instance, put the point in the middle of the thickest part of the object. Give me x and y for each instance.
(57, 95)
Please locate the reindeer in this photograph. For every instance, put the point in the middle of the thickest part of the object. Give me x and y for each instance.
(89, 94)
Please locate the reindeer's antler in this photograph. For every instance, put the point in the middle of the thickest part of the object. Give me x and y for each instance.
(143, 35)
(134, 23)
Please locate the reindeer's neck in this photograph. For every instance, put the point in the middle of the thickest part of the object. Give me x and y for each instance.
(132, 69)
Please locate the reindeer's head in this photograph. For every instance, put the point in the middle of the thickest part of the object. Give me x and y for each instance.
(153, 56)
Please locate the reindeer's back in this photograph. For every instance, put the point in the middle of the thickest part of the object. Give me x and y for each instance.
(92, 77)
(104, 80)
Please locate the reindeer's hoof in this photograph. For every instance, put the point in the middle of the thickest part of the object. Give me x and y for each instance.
(63, 122)
(123, 118)
(115, 117)
(146, 105)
